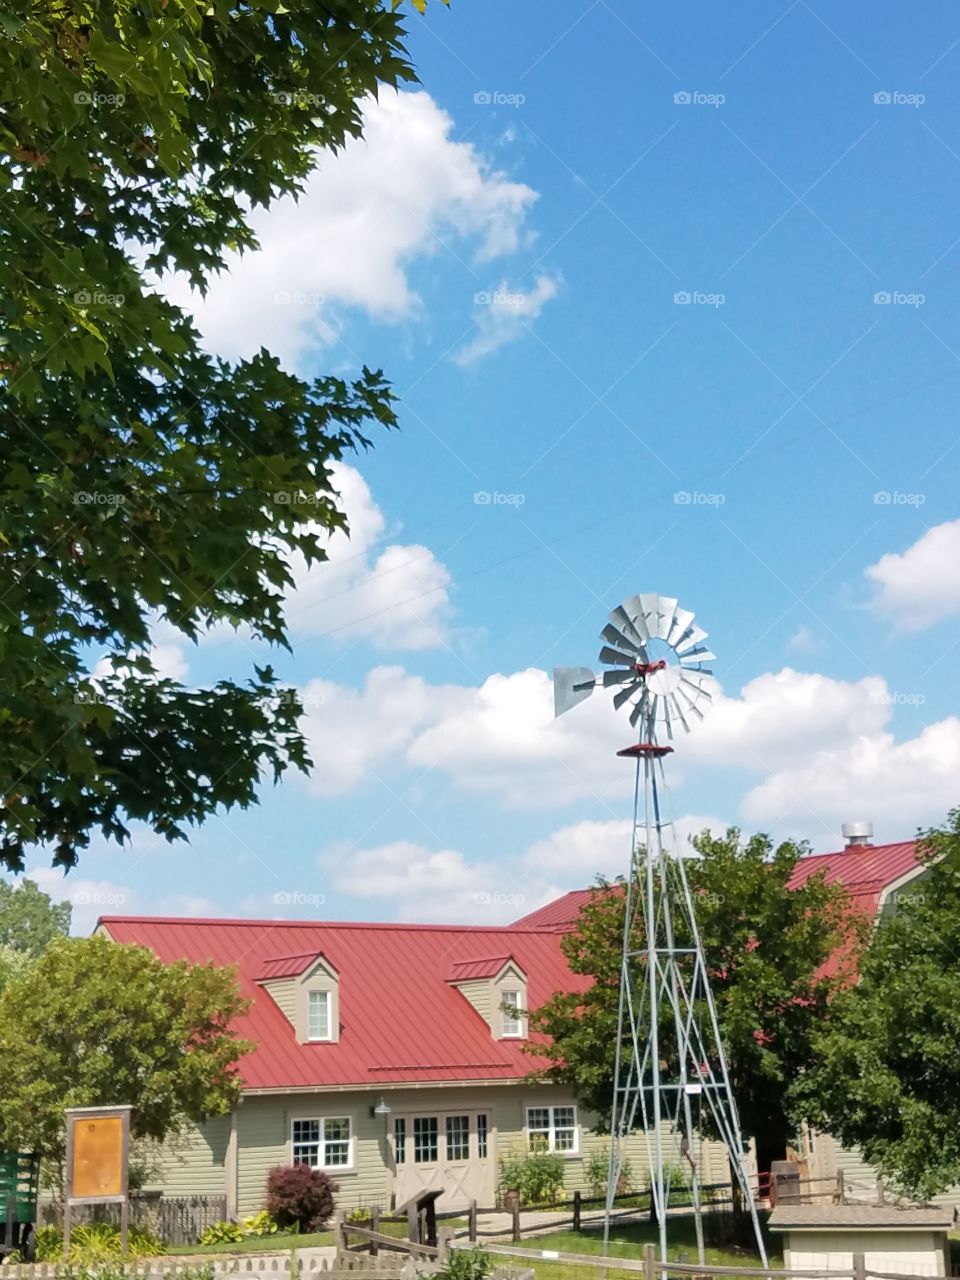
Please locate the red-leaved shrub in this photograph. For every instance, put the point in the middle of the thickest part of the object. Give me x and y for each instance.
(298, 1196)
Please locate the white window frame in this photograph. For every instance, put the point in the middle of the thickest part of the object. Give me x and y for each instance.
(328, 998)
(512, 1028)
(322, 1141)
(550, 1133)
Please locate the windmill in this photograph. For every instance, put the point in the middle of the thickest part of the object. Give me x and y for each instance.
(654, 658)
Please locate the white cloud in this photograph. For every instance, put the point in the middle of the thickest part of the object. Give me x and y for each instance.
(89, 899)
(414, 882)
(896, 785)
(921, 585)
(783, 716)
(407, 190)
(397, 595)
(352, 732)
(503, 315)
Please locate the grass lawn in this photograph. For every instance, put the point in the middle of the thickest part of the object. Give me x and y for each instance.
(258, 1244)
(627, 1241)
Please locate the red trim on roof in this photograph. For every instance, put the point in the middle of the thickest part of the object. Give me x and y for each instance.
(468, 970)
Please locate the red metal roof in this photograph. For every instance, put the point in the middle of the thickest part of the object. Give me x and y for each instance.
(401, 1020)
(466, 970)
(866, 871)
(560, 914)
(286, 966)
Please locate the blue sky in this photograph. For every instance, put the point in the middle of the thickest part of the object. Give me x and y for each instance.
(611, 257)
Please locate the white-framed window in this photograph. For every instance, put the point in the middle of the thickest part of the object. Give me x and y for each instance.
(318, 1015)
(553, 1129)
(511, 1013)
(323, 1143)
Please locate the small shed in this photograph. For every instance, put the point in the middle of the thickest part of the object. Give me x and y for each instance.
(909, 1240)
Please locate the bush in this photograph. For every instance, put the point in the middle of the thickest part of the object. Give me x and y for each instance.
(597, 1170)
(299, 1197)
(537, 1175)
(96, 1242)
(467, 1264)
(227, 1232)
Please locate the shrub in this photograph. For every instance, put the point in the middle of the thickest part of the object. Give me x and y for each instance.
(300, 1197)
(467, 1264)
(227, 1232)
(597, 1170)
(96, 1242)
(259, 1224)
(537, 1175)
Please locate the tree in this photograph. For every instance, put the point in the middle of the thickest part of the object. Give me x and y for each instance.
(765, 947)
(888, 1076)
(29, 918)
(96, 1023)
(142, 479)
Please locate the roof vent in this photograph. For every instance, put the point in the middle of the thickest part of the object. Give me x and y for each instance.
(856, 834)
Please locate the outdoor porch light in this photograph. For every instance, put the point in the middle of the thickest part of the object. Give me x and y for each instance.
(381, 1109)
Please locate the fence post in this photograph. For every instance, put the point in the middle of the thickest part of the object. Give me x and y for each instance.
(576, 1211)
(339, 1237)
(516, 1221)
(881, 1192)
(472, 1222)
(650, 1262)
(859, 1267)
(841, 1190)
(374, 1226)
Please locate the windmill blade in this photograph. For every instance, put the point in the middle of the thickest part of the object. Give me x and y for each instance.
(620, 640)
(570, 686)
(616, 659)
(681, 621)
(678, 711)
(665, 614)
(625, 695)
(700, 654)
(633, 610)
(620, 677)
(649, 606)
(691, 637)
(691, 705)
(698, 689)
(629, 625)
(667, 722)
(647, 708)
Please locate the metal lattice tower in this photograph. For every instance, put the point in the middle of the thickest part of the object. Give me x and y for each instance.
(654, 657)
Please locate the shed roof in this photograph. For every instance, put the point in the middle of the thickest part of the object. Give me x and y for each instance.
(840, 1217)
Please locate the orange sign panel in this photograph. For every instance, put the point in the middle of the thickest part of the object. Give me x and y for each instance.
(97, 1156)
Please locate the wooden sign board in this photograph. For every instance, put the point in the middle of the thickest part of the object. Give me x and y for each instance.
(97, 1142)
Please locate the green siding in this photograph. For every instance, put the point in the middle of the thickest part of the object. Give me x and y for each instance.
(284, 994)
(193, 1165)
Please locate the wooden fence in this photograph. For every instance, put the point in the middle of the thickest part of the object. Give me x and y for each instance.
(177, 1220)
(651, 1269)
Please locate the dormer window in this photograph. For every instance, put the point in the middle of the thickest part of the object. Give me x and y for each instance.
(318, 1015)
(511, 1013)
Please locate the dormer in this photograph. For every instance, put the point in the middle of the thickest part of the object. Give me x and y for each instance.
(496, 986)
(306, 990)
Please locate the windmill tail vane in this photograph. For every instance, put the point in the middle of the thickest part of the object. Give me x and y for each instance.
(653, 658)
